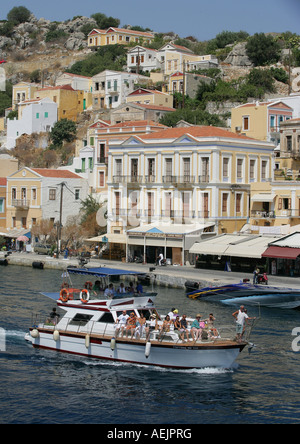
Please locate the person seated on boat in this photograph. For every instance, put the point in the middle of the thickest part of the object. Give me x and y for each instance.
(184, 328)
(152, 325)
(177, 325)
(122, 288)
(88, 286)
(140, 326)
(53, 317)
(130, 288)
(97, 286)
(196, 329)
(109, 292)
(131, 324)
(139, 288)
(121, 322)
(165, 326)
(173, 314)
(209, 327)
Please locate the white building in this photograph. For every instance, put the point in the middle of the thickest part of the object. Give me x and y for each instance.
(35, 116)
(79, 83)
(110, 88)
(143, 59)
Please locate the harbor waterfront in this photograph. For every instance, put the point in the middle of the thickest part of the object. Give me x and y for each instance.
(166, 276)
(40, 386)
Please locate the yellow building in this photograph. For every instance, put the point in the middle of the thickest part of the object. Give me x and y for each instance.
(24, 199)
(260, 120)
(113, 36)
(78, 83)
(69, 102)
(34, 194)
(150, 97)
(23, 91)
(275, 204)
(197, 176)
(179, 58)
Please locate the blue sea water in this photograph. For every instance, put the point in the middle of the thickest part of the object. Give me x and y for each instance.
(45, 387)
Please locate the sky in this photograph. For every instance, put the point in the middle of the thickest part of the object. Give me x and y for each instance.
(203, 19)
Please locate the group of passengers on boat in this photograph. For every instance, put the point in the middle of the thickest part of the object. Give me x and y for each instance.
(137, 326)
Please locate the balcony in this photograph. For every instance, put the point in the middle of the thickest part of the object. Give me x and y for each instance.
(21, 203)
(102, 160)
(262, 214)
(150, 179)
(204, 178)
(185, 181)
(170, 179)
(129, 180)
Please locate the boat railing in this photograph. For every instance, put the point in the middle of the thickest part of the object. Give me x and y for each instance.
(101, 330)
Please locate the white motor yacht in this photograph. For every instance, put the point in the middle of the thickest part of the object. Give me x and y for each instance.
(89, 328)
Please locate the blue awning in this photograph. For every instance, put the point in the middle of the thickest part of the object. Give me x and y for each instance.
(102, 272)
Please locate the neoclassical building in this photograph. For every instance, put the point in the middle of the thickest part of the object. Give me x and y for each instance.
(197, 177)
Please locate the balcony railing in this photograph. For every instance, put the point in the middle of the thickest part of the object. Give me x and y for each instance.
(128, 179)
(20, 203)
(169, 179)
(102, 160)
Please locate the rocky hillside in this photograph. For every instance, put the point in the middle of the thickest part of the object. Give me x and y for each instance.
(41, 44)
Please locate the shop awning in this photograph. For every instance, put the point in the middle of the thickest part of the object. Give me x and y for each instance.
(263, 197)
(282, 252)
(114, 238)
(234, 245)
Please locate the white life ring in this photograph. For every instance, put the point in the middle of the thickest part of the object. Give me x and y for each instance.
(84, 296)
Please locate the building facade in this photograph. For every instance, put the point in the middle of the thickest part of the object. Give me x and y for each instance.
(110, 88)
(181, 176)
(34, 116)
(260, 120)
(34, 194)
(120, 36)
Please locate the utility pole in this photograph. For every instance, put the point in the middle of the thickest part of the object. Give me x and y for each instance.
(183, 86)
(59, 227)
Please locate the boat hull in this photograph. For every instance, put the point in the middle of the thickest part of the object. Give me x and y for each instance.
(268, 296)
(180, 356)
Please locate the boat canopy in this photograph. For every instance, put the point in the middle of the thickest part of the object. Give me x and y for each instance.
(103, 272)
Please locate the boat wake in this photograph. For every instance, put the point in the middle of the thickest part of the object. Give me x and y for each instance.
(199, 371)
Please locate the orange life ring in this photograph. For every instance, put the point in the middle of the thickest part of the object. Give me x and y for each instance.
(64, 295)
(87, 298)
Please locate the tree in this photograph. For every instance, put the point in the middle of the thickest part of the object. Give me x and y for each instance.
(44, 230)
(89, 209)
(63, 131)
(19, 14)
(262, 78)
(89, 206)
(104, 22)
(263, 49)
(107, 57)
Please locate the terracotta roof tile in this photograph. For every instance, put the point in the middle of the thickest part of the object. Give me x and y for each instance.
(61, 174)
(195, 131)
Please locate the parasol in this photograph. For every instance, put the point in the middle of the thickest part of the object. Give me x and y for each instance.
(22, 239)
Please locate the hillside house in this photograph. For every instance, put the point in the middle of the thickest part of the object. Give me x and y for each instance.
(34, 116)
(113, 36)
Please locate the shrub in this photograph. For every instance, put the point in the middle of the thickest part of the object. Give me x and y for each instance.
(18, 14)
(262, 50)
